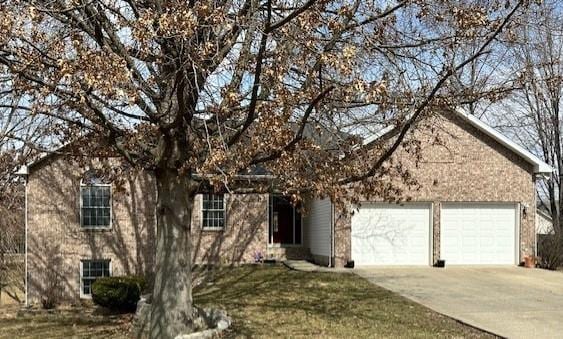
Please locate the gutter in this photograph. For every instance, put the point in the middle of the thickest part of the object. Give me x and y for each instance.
(254, 177)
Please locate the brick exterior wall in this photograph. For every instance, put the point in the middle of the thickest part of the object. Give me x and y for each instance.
(245, 233)
(57, 243)
(464, 166)
(468, 166)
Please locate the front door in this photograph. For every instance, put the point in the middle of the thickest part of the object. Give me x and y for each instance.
(285, 222)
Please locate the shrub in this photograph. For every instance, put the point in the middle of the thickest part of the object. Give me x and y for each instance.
(118, 293)
(52, 292)
(550, 251)
(49, 302)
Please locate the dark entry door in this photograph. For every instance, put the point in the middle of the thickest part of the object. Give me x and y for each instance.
(282, 221)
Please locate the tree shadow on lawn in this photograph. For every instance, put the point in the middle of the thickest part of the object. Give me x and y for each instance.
(80, 322)
(277, 290)
(274, 301)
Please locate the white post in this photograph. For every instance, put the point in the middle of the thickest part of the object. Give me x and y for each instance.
(26, 213)
(23, 172)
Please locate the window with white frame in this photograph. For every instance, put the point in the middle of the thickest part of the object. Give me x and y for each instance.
(90, 270)
(213, 211)
(95, 203)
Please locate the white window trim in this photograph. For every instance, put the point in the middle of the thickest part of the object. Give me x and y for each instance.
(89, 296)
(214, 229)
(99, 228)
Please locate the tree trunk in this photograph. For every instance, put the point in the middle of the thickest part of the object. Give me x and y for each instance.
(171, 312)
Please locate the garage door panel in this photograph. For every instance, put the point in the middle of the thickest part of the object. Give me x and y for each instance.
(384, 234)
(474, 233)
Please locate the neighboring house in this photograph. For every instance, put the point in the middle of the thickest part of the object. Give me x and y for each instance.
(544, 222)
(545, 235)
(475, 205)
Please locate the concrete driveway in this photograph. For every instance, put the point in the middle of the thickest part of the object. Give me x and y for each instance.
(511, 302)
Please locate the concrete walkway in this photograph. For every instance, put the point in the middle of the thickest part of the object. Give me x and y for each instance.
(511, 302)
(305, 266)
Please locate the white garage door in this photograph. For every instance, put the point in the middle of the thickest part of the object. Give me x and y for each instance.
(474, 234)
(391, 234)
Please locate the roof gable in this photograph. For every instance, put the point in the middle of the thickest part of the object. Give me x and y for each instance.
(540, 167)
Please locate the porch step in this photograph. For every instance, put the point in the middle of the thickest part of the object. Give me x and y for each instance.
(293, 253)
(305, 266)
(301, 265)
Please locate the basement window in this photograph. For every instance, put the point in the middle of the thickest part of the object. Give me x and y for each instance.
(90, 270)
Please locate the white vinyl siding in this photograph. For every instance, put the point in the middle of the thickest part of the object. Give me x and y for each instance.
(317, 222)
(391, 234)
(478, 233)
(544, 224)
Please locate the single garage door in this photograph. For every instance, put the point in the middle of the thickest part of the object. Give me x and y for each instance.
(391, 234)
(475, 234)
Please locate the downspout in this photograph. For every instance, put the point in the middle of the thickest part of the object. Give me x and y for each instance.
(534, 211)
(23, 172)
(535, 234)
(25, 249)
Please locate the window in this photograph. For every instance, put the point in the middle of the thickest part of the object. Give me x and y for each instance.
(213, 211)
(95, 204)
(90, 270)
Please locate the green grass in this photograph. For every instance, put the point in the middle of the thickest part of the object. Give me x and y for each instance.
(277, 302)
(268, 301)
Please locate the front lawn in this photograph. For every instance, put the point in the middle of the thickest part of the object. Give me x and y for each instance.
(268, 301)
(62, 323)
(274, 301)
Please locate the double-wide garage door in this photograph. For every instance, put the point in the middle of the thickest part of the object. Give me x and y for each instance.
(470, 233)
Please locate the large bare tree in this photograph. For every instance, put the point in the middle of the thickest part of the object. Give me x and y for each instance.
(12, 265)
(12, 235)
(201, 92)
(12, 199)
(533, 113)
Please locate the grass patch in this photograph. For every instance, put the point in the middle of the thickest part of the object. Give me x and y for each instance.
(267, 301)
(274, 301)
(65, 323)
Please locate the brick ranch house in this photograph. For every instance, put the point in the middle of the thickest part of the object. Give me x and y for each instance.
(475, 205)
